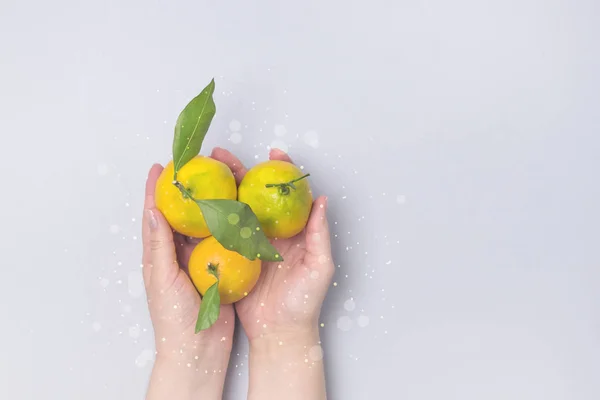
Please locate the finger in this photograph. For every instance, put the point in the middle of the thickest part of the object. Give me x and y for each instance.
(192, 240)
(276, 154)
(234, 164)
(184, 245)
(318, 245)
(159, 257)
(149, 202)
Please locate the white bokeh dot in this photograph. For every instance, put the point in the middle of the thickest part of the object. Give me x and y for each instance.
(401, 199)
(114, 229)
(279, 144)
(344, 323)
(235, 138)
(235, 125)
(104, 282)
(349, 305)
(362, 321)
(96, 326)
(145, 357)
(280, 130)
(311, 138)
(102, 169)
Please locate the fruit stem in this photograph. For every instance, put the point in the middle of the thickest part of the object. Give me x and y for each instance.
(184, 191)
(299, 179)
(284, 188)
(213, 270)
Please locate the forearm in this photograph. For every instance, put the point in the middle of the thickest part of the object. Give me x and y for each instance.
(287, 367)
(189, 380)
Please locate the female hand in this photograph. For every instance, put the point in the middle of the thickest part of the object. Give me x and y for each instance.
(188, 365)
(280, 315)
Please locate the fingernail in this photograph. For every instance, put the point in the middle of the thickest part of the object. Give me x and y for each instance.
(152, 221)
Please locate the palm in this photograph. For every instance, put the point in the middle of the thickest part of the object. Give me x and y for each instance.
(281, 299)
(278, 299)
(174, 301)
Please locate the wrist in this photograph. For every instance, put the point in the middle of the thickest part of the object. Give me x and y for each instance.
(198, 350)
(287, 365)
(287, 346)
(190, 364)
(186, 380)
(198, 363)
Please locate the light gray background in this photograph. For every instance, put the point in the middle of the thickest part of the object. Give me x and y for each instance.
(457, 141)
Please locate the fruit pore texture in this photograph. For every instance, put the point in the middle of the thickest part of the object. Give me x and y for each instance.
(237, 274)
(281, 215)
(205, 178)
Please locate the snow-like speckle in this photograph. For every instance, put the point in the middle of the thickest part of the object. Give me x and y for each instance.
(235, 138)
(280, 130)
(401, 199)
(135, 283)
(344, 323)
(349, 305)
(362, 321)
(104, 282)
(96, 326)
(311, 138)
(114, 229)
(235, 125)
(314, 274)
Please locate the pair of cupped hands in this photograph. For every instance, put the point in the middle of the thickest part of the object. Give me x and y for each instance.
(280, 316)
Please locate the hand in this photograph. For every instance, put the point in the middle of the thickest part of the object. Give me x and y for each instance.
(280, 315)
(188, 365)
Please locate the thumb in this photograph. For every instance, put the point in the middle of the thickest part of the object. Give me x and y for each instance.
(318, 244)
(159, 257)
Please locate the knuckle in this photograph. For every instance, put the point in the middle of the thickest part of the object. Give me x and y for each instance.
(157, 244)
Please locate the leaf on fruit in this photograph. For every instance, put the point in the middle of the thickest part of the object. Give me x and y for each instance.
(236, 227)
(209, 308)
(192, 125)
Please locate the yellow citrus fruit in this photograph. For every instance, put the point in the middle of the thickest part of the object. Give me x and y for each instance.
(237, 274)
(204, 178)
(280, 196)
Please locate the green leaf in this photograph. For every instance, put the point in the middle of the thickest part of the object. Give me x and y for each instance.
(192, 125)
(209, 308)
(236, 227)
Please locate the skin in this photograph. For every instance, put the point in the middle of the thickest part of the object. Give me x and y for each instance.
(187, 366)
(280, 315)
